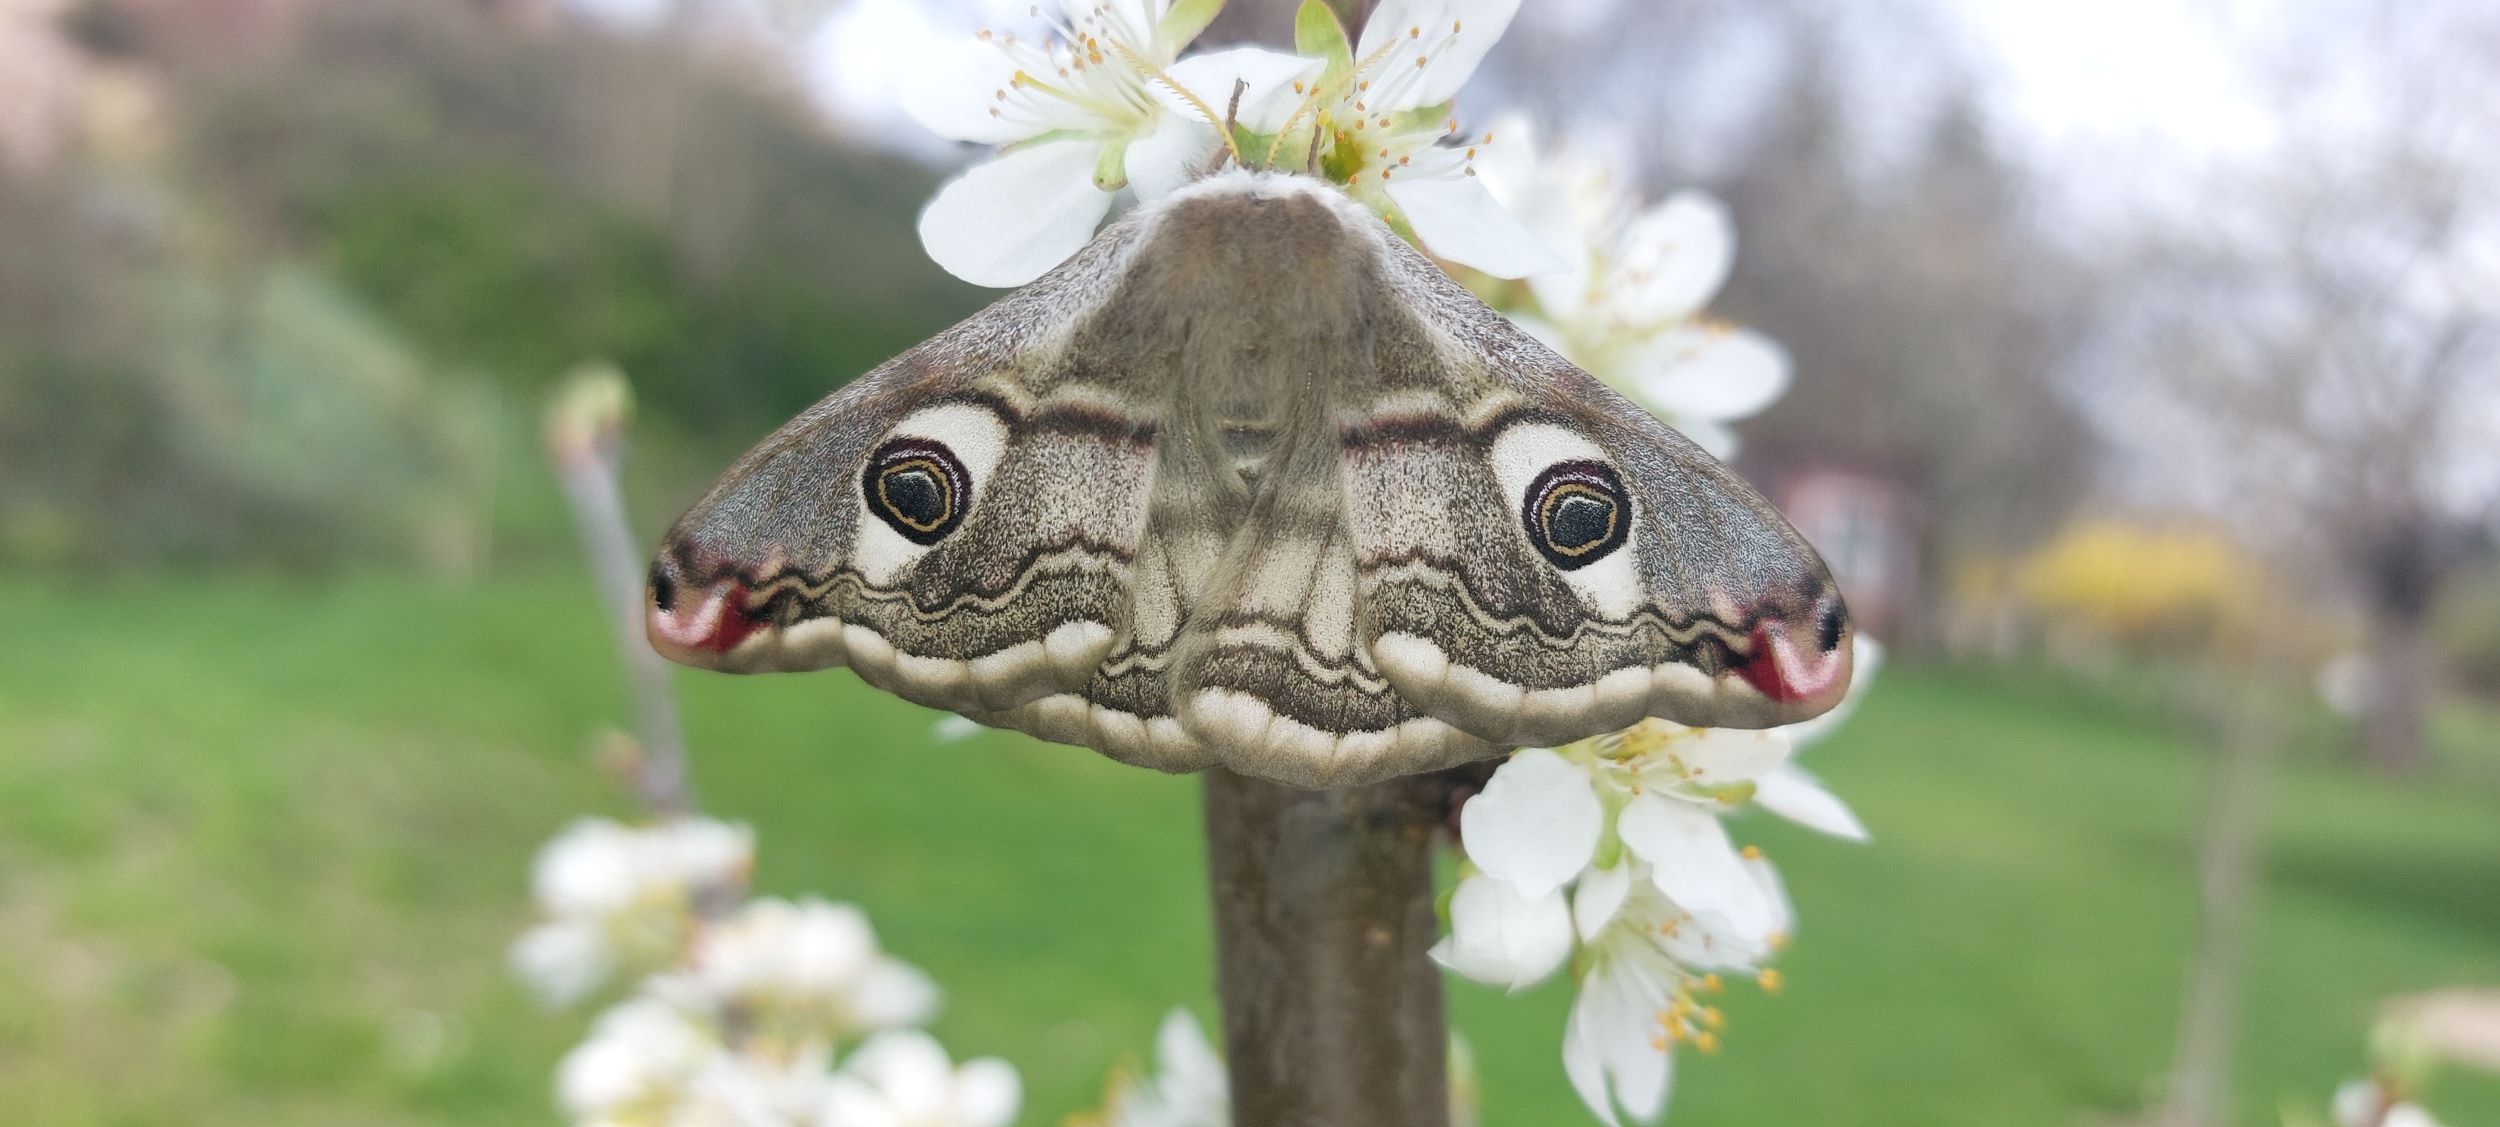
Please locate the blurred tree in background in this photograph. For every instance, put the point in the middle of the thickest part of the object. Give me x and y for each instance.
(285, 314)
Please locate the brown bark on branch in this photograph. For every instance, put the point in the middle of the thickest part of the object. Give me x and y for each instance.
(1323, 915)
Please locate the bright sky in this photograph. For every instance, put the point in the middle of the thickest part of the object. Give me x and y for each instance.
(2118, 71)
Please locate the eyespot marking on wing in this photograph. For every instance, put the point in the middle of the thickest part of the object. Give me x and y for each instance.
(923, 480)
(918, 487)
(1576, 513)
(1573, 509)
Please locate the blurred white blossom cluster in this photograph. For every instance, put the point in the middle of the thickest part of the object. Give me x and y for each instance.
(766, 1013)
(1189, 1087)
(1629, 306)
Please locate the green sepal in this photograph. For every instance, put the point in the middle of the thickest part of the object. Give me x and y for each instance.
(1318, 33)
(1424, 118)
(1182, 24)
(1111, 171)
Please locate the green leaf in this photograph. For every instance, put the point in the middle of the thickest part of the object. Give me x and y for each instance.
(1183, 23)
(1317, 33)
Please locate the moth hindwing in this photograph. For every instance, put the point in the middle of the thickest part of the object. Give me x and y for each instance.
(1248, 481)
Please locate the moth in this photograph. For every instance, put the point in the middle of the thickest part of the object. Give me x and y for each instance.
(1250, 482)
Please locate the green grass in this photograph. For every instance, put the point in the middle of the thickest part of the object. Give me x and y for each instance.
(262, 845)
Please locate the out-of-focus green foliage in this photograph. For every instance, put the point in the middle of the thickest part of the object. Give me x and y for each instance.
(519, 201)
(291, 316)
(157, 406)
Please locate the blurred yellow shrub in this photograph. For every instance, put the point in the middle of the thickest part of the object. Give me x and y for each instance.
(2167, 587)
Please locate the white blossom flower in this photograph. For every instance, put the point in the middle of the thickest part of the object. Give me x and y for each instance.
(2365, 1103)
(1656, 789)
(641, 1057)
(617, 897)
(1387, 134)
(809, 969)
(1190, 1088)
(745, 1090)
(1104, 102)
(905, 1079)
(1660, 899)
(1627, 307)
(652, 1060)
(1670, 784)
(1649, 967)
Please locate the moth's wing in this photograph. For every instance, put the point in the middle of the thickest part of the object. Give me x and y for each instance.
(1273, 676)
(957, 526)
(1538, 560)
(1125, 709)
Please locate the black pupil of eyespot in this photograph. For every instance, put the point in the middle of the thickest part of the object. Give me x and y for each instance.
(1576, 513)
(916, 493)
(1579, 520)
(918, 488)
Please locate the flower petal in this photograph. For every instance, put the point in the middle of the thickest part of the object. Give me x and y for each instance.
(1269, 99)
(562, 961)
(1712, 373)
(987, 1092)
(1457, 218)
(1536, 823)
(1598, 896)
(1614, 1026)
(893, 994)
(1717, 757)
(954, 94)
(1499, 937)
(1427, 26)
(1581, 1061)
(1692, 861)
(1171, 153)
(1797, 796)
(1005, 222)
(1672, 257)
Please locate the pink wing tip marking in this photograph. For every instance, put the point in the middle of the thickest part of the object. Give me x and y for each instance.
(712, 624)
(1778, 670)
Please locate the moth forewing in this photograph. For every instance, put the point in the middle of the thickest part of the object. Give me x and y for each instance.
(1251, 482)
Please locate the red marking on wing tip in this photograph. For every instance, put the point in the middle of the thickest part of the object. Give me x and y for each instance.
(1778, 671)
(714, 624)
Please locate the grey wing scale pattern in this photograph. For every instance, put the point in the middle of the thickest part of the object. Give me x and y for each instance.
(1250, 482)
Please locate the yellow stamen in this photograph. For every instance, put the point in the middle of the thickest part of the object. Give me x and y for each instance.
(1770, 981)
